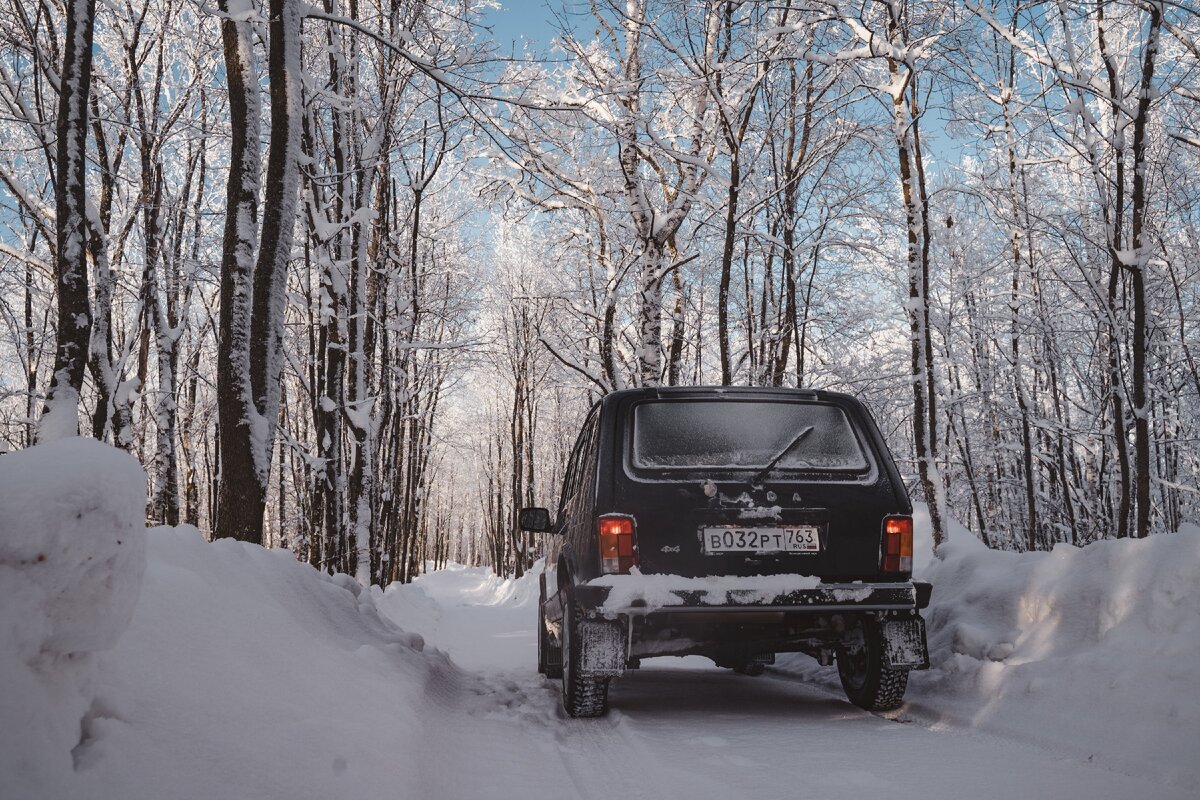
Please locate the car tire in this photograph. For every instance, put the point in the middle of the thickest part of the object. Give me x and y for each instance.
(582, 697)
(867, 682)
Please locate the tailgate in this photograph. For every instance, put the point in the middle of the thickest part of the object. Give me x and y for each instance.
(729, 484)
(682, 530)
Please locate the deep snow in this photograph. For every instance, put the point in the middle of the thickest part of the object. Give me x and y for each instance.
(245, 674)
(1092, 653)
(71, 560)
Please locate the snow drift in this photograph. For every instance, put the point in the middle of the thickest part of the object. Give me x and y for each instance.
(71, 561)
(1092, 652)
(245, 673)
(1095, 649)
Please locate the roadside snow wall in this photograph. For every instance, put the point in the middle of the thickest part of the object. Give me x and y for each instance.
(248, 674)
(72, 553)
(1096, 648)
(1091, 651)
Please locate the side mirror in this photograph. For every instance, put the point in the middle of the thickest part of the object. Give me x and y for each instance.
(534, 520)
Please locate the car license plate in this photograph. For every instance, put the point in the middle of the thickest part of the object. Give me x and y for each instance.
(767, 539)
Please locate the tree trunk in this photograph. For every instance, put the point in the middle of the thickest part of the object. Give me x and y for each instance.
(916, 212)
(1139, 200)
(253, 296)
(279, 221)
(240, 495)
(650, 314)
(730, 234)
(1015, 235)
(60, 417)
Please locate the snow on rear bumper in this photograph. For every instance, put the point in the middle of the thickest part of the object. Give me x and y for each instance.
(614, 596)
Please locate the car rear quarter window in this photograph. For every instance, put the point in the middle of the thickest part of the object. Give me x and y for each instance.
(690, 435)
(581, 466)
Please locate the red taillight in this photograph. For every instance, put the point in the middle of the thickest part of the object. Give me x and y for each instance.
(617, 553)
(897, 544)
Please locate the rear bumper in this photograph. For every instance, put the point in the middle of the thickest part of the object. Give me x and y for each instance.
(634, 616)
(617, 596)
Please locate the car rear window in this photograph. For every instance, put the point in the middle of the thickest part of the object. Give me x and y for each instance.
(736, 435)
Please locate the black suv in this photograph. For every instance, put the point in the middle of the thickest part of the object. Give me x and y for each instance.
(733, 523)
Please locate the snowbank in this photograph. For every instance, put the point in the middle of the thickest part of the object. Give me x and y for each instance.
(1094, 649)
(242, 672)
(1092, 652)
(683, 728)
(72, 553)
(245, 673)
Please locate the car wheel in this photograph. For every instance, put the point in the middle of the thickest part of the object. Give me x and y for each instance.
(582, 697)
(867, 682)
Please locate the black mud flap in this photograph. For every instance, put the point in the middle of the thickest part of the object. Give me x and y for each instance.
(904, 645)
(603, 648)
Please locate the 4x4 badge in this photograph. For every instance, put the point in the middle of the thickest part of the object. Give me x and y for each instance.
(670, 549)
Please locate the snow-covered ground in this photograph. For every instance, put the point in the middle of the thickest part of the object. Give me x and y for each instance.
(1092, 653)
(244, 674)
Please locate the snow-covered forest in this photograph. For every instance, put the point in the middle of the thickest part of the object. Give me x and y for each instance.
(302, 302)
(344, 277)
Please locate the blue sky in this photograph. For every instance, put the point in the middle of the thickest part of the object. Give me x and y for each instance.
(517, 20)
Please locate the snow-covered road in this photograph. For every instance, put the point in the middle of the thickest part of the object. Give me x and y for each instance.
(681, 728)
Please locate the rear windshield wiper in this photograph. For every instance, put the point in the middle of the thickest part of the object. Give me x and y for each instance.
(758, 478)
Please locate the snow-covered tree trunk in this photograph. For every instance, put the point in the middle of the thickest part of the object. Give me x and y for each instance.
(254, 293)
(1110, 193)
(733, 140)
(178, 268)
(614, 377)
(1129, 254)
(280, 210)
(104, 373)
(60, 417)
(159, 305)
(1140, 201)
(656, 227)
(1017, 235)
(650, 297)
(795, 153)
(650, 278)
(164, 496)
(678, 333)
(360, 405)
(111, 420)
(329, 351)
(735, 103)
(240, 494)
(916, 207)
